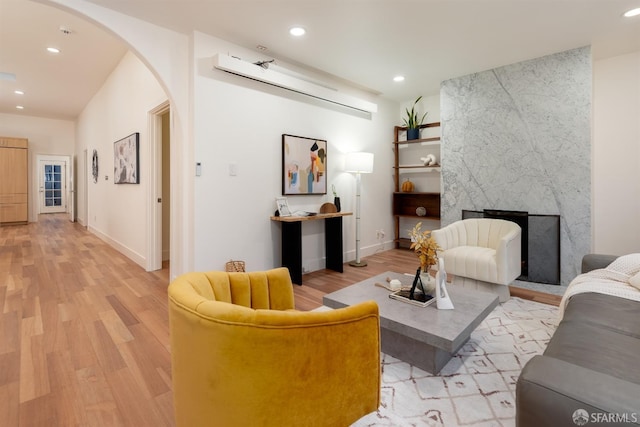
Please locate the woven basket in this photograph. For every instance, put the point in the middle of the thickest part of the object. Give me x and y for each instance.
(235, 266)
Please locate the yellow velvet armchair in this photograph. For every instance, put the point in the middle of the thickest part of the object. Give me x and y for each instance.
(242, 356)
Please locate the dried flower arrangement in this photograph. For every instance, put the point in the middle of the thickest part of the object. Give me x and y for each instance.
(425, 246)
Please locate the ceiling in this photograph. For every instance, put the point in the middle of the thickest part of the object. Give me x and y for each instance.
(367, 42)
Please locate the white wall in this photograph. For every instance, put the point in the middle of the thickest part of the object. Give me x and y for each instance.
(240, 121)
(117, 213)
(46, 136)
(616, 155)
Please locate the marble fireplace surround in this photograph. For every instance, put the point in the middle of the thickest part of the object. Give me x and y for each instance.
(540, 243)
(518, 137)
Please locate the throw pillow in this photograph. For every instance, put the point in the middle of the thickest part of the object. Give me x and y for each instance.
(635, 280)
(627, 264)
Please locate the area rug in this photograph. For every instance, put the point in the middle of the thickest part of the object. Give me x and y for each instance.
(477, 387)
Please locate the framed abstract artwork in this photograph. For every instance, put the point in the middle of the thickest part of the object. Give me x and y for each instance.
(126, 160)
(304, 165)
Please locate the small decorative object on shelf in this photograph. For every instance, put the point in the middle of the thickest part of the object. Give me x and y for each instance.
(407, 186)
(429, 160)
(421, 211)
(283, 206)
(412, 123)
(328, 208)
(336, 199)
(425, 246)
(443, 302)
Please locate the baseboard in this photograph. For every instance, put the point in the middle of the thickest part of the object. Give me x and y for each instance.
(129, 253)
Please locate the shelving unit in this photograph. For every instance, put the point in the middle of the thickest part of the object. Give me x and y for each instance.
(405, 204)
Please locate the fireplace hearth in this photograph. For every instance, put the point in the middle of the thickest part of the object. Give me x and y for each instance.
(540, 252)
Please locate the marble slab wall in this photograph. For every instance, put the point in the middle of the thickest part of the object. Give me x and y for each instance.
(519, 138)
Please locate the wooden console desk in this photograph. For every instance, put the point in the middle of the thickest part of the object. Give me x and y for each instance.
(292, 242)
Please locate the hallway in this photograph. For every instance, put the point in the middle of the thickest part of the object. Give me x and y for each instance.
(84, 334)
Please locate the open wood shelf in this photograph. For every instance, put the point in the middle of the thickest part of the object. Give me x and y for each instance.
(417, 141)
(406, 203)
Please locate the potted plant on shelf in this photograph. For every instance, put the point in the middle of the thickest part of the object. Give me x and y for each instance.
(411, 121)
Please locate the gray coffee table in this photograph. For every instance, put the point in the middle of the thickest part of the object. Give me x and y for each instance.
(421, 336)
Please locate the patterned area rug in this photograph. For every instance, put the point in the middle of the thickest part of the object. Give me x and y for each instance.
(478, 386)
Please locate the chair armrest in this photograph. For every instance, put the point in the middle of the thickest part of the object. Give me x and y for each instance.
(508, 256)
(444, 237)
(549, 390)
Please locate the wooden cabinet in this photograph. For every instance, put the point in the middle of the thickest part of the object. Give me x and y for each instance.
(424, 202)
(13, 180)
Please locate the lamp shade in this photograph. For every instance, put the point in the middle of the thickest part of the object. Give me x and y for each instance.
(359, 162)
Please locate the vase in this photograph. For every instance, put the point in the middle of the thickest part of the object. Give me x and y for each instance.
(428, 282)
(413, 133)
(336, 201)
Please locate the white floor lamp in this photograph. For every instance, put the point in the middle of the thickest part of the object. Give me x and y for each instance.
(358, 163)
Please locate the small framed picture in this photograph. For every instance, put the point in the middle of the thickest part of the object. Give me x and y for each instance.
(283, 206)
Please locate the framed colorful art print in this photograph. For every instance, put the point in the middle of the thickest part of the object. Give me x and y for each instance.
(304, 165)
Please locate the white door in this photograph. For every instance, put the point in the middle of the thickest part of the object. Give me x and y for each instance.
(53, 186)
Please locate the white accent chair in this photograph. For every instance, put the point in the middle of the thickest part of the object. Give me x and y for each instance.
(481, 253)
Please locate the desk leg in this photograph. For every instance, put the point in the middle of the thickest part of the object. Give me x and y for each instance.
(292, 250)
(333, 243)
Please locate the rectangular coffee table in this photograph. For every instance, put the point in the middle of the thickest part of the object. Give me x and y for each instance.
(421, 336)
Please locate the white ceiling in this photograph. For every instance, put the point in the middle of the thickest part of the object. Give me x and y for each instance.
(56, 86)
(363, 41)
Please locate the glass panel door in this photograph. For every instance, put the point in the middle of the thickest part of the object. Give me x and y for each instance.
(53, 187)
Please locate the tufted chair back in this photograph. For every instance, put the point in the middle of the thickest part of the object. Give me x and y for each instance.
(269, 290)
(484, 232)
(243, 356)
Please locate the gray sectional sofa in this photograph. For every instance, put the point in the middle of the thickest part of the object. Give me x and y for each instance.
(590, 372)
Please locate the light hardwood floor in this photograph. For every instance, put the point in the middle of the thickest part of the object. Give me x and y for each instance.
(84, 333)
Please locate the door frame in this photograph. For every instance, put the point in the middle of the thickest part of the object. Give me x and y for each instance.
(68, 170)
(154, 191)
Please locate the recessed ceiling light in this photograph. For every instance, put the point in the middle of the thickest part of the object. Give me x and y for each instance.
(632, 12)
(19, 107)
(18, 92)
(297, 31)
(53, 50)
(398, 79)
(262, 48)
